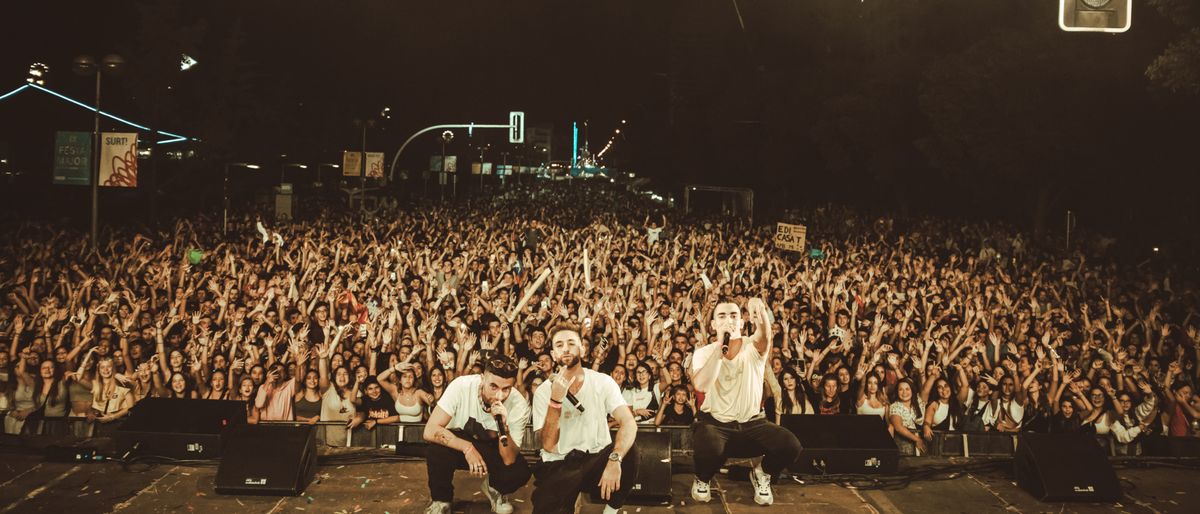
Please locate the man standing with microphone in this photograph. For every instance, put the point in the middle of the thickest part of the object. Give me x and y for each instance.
(730, 374)
(570, 418)
(478, 425)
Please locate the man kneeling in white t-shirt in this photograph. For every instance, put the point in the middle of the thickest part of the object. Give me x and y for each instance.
(730, 374)
(578, 453)
(465, 434)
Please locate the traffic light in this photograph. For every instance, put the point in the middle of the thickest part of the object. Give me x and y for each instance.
(1095, 15)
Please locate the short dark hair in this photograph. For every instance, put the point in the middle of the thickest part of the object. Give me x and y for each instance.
(502, 366)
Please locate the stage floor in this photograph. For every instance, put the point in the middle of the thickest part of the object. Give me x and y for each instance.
(29, 483)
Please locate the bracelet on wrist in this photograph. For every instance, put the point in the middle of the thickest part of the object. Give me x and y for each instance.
(555, 405)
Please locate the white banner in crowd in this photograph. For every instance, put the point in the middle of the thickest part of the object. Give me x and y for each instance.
(118, 159)
(790, 237)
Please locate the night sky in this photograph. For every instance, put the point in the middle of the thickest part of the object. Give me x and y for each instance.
(947, 107)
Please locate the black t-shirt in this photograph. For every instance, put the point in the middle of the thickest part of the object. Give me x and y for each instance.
(384, 407)
(670, 417)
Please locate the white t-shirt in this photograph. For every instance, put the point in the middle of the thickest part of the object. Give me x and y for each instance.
(586, 431)
(640, 399)
(462, 402)
(651, 237)
(737, 392)
(994, 411)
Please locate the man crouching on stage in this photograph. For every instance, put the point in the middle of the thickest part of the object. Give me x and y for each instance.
(731, 373)
(466, 434)
(578, 453)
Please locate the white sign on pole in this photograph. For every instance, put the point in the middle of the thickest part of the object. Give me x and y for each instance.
(516, 127)
(118, 159)
(374, 164)
(790, 237)
(351, 163)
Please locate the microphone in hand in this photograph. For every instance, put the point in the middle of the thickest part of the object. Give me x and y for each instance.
(501, 429)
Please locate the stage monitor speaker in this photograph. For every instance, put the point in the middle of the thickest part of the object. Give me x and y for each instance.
(1065, 468)
(842, 444)
(653, 484)
(179, 429)
(274, 460)
(1164, 446)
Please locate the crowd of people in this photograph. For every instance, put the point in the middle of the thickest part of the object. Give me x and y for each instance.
(932, 325)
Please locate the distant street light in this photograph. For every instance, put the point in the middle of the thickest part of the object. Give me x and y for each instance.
(225, 212)
(86, 66)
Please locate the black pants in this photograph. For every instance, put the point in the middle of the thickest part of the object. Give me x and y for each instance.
(441, 463)
(560, 482)
(712, 438)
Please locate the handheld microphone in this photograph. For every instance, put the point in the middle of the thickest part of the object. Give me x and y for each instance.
(574, 401)
(725, 344)
(501, 429)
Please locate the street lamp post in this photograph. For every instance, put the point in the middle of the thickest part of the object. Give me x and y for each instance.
(447, 137)
(504, 158)
(85, 65)
(324, 165)
(362, 176)
(285, 166)
(225, 188)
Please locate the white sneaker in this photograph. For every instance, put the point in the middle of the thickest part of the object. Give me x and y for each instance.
(500, 503)
(762, 486)
(438, 508)
(700, 491)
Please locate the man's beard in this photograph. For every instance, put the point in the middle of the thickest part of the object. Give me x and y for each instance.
(569, 361)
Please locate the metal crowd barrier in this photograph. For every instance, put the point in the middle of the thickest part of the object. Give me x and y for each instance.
(407, 438)
(1004, 444)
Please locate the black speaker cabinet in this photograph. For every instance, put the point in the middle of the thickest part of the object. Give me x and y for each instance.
(1065, 468)
(842, 444)
(653, 484)
(179, 429)
(1164, 446)
(274, 460)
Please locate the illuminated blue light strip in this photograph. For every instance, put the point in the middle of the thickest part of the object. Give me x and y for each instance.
(13, 92)
(175, 137)
(91, 108)
(574, 143)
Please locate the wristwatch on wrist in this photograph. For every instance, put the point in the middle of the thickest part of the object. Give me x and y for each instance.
(614, 457)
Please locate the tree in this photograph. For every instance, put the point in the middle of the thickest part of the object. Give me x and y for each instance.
(1177, 69)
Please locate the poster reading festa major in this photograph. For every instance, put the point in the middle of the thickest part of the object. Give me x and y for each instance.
(73, 158)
